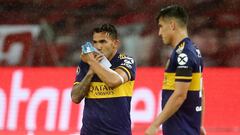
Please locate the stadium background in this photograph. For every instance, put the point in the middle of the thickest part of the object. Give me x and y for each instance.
(40, 43)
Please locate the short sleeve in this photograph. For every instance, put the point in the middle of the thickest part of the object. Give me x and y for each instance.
(81, 72)
(128, 65)
(184, 67)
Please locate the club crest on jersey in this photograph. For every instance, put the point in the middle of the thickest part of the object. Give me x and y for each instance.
(182, 59)
(180, 48)
(122, 56)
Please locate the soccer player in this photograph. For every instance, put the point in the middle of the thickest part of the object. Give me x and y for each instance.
(107, 91)
(182, 87)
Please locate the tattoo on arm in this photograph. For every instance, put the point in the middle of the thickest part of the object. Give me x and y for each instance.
(80, 90)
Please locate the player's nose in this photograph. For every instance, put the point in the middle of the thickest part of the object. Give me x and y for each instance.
(160, 32)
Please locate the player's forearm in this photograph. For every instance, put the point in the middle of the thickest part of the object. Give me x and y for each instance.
(79, 91)
(172, 105)
(107, 75)
(174, 102)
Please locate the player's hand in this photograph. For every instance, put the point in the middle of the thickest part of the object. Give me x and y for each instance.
(87, 57)
(152, 130)
(202, 131)
(98, 57)
(91, 57)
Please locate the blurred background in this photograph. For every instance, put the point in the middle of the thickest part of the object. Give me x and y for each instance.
(51, 32)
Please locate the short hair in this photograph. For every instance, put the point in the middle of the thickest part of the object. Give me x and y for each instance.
(108, 28)
(174, 11)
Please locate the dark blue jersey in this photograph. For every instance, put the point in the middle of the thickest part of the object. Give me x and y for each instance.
(107, 110)
(184, 65)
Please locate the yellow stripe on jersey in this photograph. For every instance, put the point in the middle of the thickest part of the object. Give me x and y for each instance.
(125, 70)
(183, 77)
(101, 90)
(169, 81)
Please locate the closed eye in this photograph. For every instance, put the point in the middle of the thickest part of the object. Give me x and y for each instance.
(102, 41)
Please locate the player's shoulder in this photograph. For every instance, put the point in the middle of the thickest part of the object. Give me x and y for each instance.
(124, 57)
(183, 52)
(126, 60)
(186, 47)
(82, 65)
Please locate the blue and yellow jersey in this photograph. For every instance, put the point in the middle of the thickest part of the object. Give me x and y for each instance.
(184, 65)
(107, 110)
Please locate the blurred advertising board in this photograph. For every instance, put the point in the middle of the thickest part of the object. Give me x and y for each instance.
(36, 101)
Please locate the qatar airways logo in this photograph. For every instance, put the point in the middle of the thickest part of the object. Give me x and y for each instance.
(59, 109)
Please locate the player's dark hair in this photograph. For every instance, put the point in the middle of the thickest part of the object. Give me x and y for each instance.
(109, 28)
(174, 11)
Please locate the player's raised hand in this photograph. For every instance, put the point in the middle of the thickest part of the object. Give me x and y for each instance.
(98, 57)
(87, 57)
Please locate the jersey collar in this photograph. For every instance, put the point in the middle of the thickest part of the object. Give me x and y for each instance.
(185, 40)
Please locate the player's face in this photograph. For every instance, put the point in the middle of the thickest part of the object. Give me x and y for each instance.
(105, 44)
(165, 30)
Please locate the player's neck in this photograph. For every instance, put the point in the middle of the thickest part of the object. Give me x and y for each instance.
(113, 54)
(179, 36)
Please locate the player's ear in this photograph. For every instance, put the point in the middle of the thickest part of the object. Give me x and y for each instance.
(173, 25)
(117, 43)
